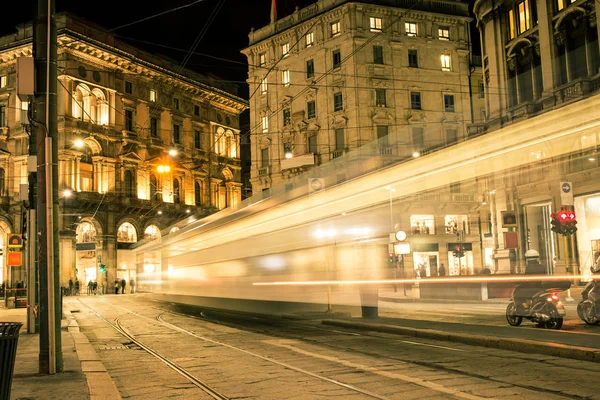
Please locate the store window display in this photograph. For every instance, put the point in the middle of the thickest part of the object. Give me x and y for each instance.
(422, 225)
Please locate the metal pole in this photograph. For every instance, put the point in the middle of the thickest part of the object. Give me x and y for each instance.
(32, 263)
(50, 259)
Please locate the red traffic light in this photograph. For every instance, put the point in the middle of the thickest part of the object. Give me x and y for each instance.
(566, 216)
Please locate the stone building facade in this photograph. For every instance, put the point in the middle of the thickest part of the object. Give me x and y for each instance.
(142, 144)
(335, 76)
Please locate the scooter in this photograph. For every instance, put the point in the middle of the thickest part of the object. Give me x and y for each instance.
(545, 309)
(588, 308)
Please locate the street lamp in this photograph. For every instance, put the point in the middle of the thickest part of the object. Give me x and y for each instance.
(287, 149)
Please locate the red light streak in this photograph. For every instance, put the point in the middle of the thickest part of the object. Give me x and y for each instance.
(471, 279)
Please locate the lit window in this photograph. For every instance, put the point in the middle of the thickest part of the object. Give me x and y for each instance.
(335, 28)
(126, 233)
(456, 223)
(511, 24)
(375, 24)
(265, 124)
(152, 95)
(410, 28)
(2, 81)
(285, 77)
(560, 4)
(445, 58)
(285, 49)
(309, 39)
(422, 225)
(263, 86)
(524, 17)
(262, 59)
(444, 33)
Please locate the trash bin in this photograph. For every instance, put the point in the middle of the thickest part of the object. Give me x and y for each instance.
(9, 336)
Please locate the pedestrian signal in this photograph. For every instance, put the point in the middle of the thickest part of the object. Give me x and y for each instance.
(102, 268)
(459, 251)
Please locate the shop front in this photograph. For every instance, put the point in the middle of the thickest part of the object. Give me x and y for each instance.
(538, 234)
(425, 260)
(587, 209)
(462, 265)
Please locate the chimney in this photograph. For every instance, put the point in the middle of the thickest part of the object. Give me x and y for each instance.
(273, 11)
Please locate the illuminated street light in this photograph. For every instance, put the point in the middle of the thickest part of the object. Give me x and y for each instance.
(67, 193)
(416, 154)
(172, 152)
(161, 169)
(287, 149)
(78, 143)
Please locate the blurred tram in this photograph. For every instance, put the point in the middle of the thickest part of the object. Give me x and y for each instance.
(331, 243)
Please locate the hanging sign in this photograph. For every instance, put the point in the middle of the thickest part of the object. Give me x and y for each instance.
(15, 241)
(15, 259)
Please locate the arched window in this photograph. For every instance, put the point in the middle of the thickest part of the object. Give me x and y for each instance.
(126, 233)
(176, 191)
(231, 144)
(152, 232)
(86, 232)
(220, 142)
(197, 193)
(2, 182)
(129, 184)
(78, 96)
(100, 111)
(174, 229)
(154, 189)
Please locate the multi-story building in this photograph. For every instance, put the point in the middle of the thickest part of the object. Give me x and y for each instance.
(542, 56)
(337, 75)
(142, 143)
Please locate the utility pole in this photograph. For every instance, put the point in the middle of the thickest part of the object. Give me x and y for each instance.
(44, 121)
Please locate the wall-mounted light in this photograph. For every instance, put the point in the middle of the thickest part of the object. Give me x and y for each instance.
(287, 149)
(78, 143)
(161, 169)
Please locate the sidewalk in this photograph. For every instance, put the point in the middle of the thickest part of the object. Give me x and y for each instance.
(83, 377)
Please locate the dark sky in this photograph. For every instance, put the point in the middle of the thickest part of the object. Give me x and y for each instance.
(173, 33)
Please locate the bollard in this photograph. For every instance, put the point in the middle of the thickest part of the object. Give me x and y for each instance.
(9, 336)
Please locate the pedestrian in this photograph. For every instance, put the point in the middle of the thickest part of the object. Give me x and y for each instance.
(77, 287)
(123, 284)
(95, 287)
(442, 270)
(131, 285)
(89, 287)
(70, 287)
(116, 286)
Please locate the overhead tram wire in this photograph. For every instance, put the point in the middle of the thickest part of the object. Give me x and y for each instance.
(156, 15)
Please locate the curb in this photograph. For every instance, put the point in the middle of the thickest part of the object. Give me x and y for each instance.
(519, 345)
(99, 382)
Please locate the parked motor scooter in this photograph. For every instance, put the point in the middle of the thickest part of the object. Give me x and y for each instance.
(588, 308)
(545, 308)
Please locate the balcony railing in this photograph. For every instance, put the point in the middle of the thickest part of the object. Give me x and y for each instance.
(337, 153)
(264, 171)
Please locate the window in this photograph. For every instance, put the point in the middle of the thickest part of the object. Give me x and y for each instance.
(338, 102)
(337, 59)
(418, 141)
(197, 193)
(481, 90)
(129, 120)
(262, 59)
(129, 184)
(380, 100)
(451, 136)
(263, 86)
(176, 134)
(312, 144)
(311, 109)
(152, 95)
(287, 117)
(382, 134)
(375, 24)
(519, 17)
(197, 139)
(444, 33)
(339, 139)
(2, 115)
(196, 110)
(377, 54)
(455, 187)
(415, 100)
(264, 157)
(511, 24)
(2, 81)
(445, 58)
(422, 225)
(524, 17)
(309, 39)
(153, 127)
(265, 124)
(128, 87)
(413, 59)
(176, 103)
(285, 77)
(310, 68)
(285, 50)
(410, 28)
(176, 191)
(449, 102)
(335, 28)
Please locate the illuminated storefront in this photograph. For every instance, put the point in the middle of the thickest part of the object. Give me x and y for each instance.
(587, 209)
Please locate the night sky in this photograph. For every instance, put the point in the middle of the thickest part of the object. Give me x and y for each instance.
(223, 34)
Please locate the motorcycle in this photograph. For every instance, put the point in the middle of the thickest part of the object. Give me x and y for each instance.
(545, 309)
(588, 308)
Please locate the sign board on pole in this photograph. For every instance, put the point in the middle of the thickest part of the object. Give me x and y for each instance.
(15, 241)
(15, 259)
(566, 194)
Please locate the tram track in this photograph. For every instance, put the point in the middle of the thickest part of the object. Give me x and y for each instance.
(159, 318)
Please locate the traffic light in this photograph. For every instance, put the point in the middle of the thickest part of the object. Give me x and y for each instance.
(556, 224)
(102, 268)
(459, 251)
(564, 222)
(391, 258)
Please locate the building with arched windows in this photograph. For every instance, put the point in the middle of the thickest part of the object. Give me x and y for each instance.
(142, 144)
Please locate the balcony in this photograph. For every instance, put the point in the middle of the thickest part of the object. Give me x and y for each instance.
(264, 171)
(386, 150)
(337, 153)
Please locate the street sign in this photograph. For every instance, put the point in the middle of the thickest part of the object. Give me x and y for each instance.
(15, 241)
(566, 194)
(15, 259)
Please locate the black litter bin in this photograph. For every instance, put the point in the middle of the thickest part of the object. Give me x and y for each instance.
(9, 336)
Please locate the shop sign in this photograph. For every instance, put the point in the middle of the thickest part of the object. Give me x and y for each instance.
(425, 247)
(15, 241)
(85, 246)
(15, 259)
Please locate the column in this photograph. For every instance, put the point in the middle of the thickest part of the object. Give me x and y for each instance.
(547, 51)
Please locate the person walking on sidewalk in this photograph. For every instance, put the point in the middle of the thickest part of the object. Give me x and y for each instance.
(131, 285)
(116, 286)
(77, 287)
(123, 284)
(71, 287)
